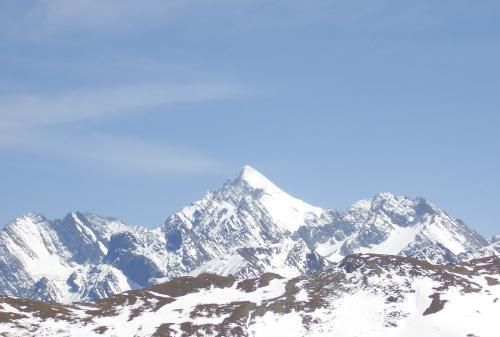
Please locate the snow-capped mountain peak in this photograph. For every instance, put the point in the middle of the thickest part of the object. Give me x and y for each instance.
(256, 179)
(397, 225)
(286, 211)
(27, 220)
(401, 205)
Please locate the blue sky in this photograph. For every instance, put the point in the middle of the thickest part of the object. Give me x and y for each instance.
(136, 108)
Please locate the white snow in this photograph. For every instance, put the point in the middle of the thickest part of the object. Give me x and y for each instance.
(39, 251)
(222, 265)
(302, 295)
(288, 213)
(330, 250)
(439, 231)
(398, 239)
(276, 325)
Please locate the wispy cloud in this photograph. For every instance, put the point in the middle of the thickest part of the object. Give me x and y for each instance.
(37, 110)
(36, 124)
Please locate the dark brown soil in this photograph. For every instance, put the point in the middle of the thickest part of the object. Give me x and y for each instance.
(436, 305)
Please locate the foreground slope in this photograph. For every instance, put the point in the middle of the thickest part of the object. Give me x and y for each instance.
(392, 295)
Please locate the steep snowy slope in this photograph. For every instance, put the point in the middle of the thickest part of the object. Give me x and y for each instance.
(491, 249)
(285, 211)
(365, 295)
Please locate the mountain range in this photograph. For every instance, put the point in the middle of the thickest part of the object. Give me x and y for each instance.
(245, 229)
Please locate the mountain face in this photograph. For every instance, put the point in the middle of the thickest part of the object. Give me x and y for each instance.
(245, 229)
(392, 295)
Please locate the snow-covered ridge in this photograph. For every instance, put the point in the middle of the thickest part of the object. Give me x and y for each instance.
(287, 212)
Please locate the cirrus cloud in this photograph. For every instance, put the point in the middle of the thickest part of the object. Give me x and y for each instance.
(28, 110)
